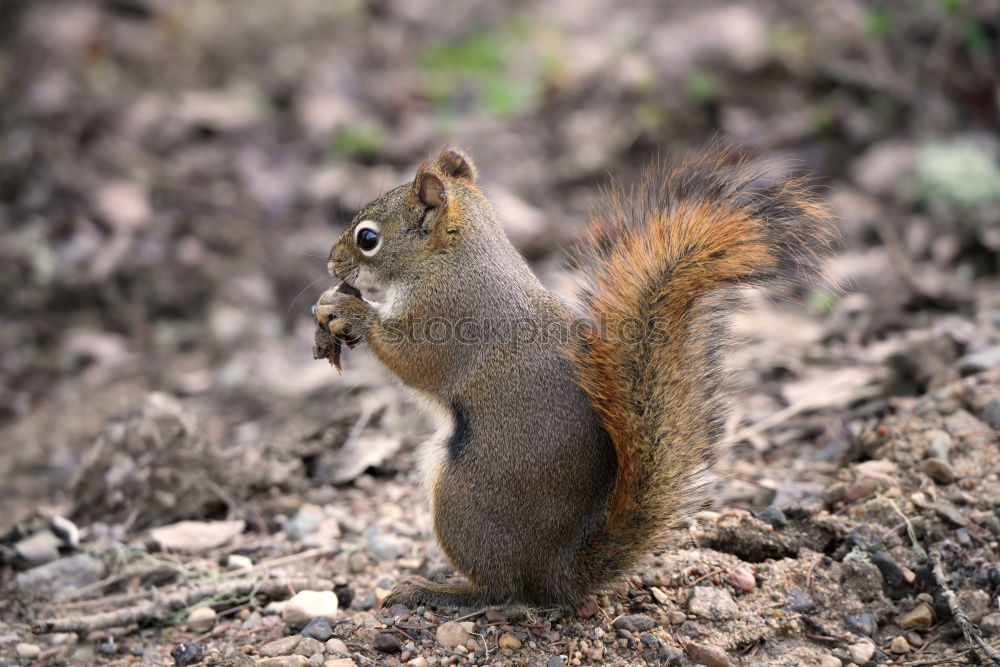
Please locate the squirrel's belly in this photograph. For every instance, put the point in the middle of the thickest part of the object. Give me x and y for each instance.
(433, 453)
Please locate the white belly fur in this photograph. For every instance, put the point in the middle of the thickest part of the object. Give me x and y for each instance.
(433, 453)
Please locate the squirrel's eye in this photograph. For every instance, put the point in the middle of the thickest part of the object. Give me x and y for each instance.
(367, 239)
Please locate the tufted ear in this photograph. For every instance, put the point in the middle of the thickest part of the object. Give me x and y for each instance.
(455, 164)
(430, 190)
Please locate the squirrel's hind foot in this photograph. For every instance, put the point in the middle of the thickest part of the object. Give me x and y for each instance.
(415, 591)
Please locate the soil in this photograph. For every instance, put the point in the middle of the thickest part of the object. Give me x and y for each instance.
(176, 466)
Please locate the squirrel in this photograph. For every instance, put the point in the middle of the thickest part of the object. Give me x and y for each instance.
(575, 437)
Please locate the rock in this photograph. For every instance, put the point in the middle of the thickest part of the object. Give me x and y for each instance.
(307, 605)
(676, 617)
(671, 656)
(921, 616)
(452, 634)
(385, 546)
(708, 655)
(990, 625)
(659, 595)
(742, 579)
(279, 647)
(196, 536)
(635, 623)
(801, 602)
(187, 654)
(386, 642)
(336, 646)
(507, 640)
(66, 531)
(27, 651)
(305, 521)
(900, 645)
(588, 609)
(318, 629)
(991, 413)
(863, 624)
(939, 470)
(123, 204)
(715, 604)
(773, 516)
(914, 638)
(555, 661)
(830, 661)
(861, 652)
(238, 562)
(980, 361)
(950, 513)
(347, 662)
(308, 646)
(940, 444)
(891, 571)
(62, 576)
(419, 661)
(41, 547)
(284, 661)
(201, 619)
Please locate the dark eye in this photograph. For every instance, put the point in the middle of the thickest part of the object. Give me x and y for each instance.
(367, 239)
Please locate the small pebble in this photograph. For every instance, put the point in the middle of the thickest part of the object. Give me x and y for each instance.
(939, 470)
(27, 651)
(307, 605)
(308, 646)
(802, 603)
(861, 652)
(921, 616)
(708, 655)
(387, 642)
(187, 654)
(773, 516)
(990, 625)
(336, 646)
(451, 634)
(556, 661)
(742, 579)
(201, 619)
(892, 573)
(507, 640)
(279, 647)
(318, 629)
(863, 623)
(634, 623)
(900, 645)
(829, 661)
(238, 562)
(715, 604)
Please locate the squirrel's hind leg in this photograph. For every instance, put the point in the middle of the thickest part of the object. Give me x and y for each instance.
(415, 591)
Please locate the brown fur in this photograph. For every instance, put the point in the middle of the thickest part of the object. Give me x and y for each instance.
(566, 462)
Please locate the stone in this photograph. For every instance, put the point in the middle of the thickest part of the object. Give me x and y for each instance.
(419, 661)
(773, 516)
(801, 602)
(891, 571)
(284, 661)
(556, 661)
(27, 651)
(201, 619)
(588, 609)
(452, 634)
(991, 413)
(676, 617)
(980, 361)
(41, 547)
(742, 579)
(305, 521)
(899, 645)
(318, 629)
(830, 661)
(386, 642)
(715, 604)
(861, 652)
(940, 444)
(384, 546)
(507, 640)
(343, 662)
(939, 470)
(187, 654)
(950, 513)
(990, 625)
(238, 562)
(336, 646)
(279, 647)
(708, 655)
(196, 536)
(921, 616)
(308, 646)
(659, 595)
(863, 623)
(634, 623)
(61, 577)
(307, 605)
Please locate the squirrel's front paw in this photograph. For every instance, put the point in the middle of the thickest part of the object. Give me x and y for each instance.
(347, 318)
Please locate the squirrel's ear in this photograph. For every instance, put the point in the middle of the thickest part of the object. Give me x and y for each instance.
(430, 190)
(457, 165)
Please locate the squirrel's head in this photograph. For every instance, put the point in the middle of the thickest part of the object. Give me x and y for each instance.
(395, 237)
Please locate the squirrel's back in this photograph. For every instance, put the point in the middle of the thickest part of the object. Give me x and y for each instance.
(661, 263)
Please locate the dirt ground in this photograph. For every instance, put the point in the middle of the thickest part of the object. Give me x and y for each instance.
(178, 473)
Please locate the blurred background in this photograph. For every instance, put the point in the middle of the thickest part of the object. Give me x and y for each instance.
(173, 173)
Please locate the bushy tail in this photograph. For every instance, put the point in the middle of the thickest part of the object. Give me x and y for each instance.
(659, 265)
